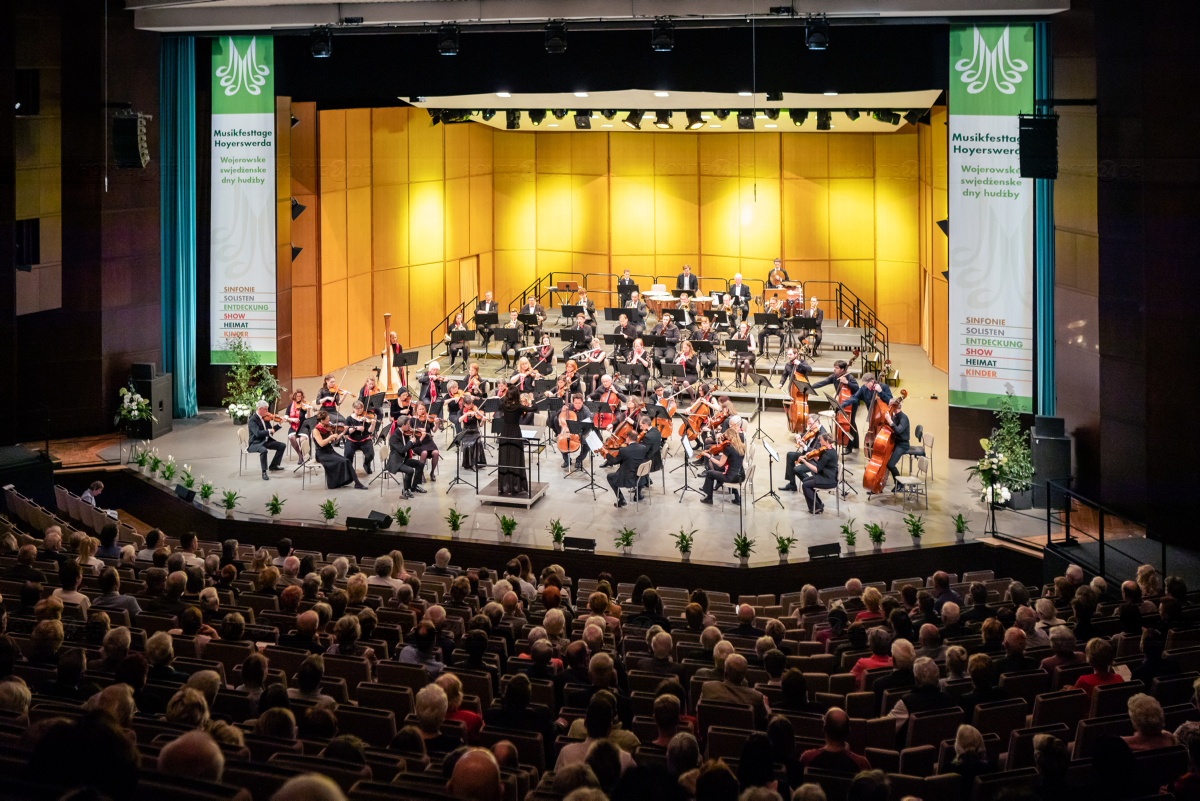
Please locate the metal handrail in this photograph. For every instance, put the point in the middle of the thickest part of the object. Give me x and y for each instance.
(1060, 486)
(445, 323)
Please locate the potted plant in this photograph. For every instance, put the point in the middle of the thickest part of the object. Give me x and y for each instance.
(850, 535)
(1005, 471)
(507, 526)
(402, 515)
(141, 456)
(168, 470)
(187, 478)
(742, 548)
(134, 413)
(875, 533)
(624, 540)
(154, 464)
(329, 510)
(915, 527)
(248, 381)
(229, 500)
(783, 546)
(960, 527)
(683, 543)
(455, 521)
(206, 490)
(275, 506)
(557, 532)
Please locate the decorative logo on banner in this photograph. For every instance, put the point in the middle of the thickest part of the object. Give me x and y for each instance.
(242, 236)
(991, 218)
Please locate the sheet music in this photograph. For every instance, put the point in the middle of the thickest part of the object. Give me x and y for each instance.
(687, 447)
(771, 451)
(593, 441)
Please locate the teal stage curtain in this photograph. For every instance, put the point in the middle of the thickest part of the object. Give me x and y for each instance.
(1043, 236)
(177, 131)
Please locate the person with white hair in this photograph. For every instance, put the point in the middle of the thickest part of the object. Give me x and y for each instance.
(1062, 644)
(952, 624)
(441, 564)
(660, 663)
(114, 647)
(1047, 615)
(721, 651)
(1147, 717)
(15, 697)
(927, 695)
(193, 755)
(309, 787)
(1027, 622)
(383, 573)
(1074, 574)
(903, 656)
(431, 708)
(262, 440)
(879, 640)
(289, 574)
(970, 756)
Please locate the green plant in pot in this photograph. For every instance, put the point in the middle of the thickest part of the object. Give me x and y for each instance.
(187, 478)
(329, 510)
(783, 545)
(915, 526)
(455, 520)
(507, 525)
(624, 539)
(247, 382)
(402, 515)
(229, 501)
(140, 455)
(743, 546)
(960, 527)
(1005, 471)
(683, 543)
(876, 534)
(155, 463)
(850, 535)
(206, 489)
(557, 532)
(168, 470)
(275, 506)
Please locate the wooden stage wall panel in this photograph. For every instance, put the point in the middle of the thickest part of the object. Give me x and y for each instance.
(305, 234)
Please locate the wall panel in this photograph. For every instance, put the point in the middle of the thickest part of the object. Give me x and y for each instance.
(589, 154)
(358, 147)
(458, 217)
(851, 218)
(553, 207)
(457, 141)
(589, 213)
(426, 153)
(720, 215)
(554, 154)
(514, 270)
(632, 212)
(360, 317)
(805, 156)
(333, 236)
(631, 154)
(389, 146)
(333, 326)
(358, 230)
(389, 226)
(514, 152)
(897, 293)
(426, 307)
(676, 213)
(515, 210)
(759, 215)
(481, 213)
(858, 275)
(805, 218)
(425, 222)
(851, 156)
(389, 295)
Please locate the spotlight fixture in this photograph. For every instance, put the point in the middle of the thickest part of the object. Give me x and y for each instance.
(512, 119)
(559, 113)
(488, 113)
(912, 116)
(851, 114)
(634, 120)
(608, 113)
(772, 113)
(296, 251)
(537, 115)
(295, 121)
(583, 120)
(745, 120)
(944, 225)
(824, 117)
(694, 120)
(662, 119)
(320, 42)
(447, 42)
(556, 38)
(435, 116)
(774, 97)
(297, 208)
(816, 34)
(721, 114)
(798, 115)
(889, 117)
(662, 36)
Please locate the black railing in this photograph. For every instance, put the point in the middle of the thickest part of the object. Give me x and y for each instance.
(850, 307)
(1071, 517)
(444, 325)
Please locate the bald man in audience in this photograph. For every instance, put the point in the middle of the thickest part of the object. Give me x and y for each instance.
(476, 777)
(506, 755)
(309, 787)
(305, 635)
(194, 755)
(1014, 660)
(734, 690)
(745, 626)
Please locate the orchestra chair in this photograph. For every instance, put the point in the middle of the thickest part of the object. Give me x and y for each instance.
(924, 449)
(643, 471)
(913, 487)
(310, 463)
(243, 448)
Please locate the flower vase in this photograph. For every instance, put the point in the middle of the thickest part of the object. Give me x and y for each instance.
(877, 547)
(229, 514)
(743, 561)
(783, 558)
(685, 557)
(849, 550)
(960, 537)
(916, 542)
(626, 549)
(558, 546)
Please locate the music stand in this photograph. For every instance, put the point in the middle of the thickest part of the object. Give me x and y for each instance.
(761, 381)
(766, 319)
(670, 370)
(844, 486)
(625, 292)
(736, 348)
(772, 458)
(687, 464)
(457, 337)
(719, 316)
(575, 337)
(508, 336)
(458, 479)
(613, 314)
(704, 347)
(594, 370)
(582, 428)
(570, 310)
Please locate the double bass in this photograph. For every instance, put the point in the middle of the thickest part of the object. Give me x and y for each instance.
(842, 417)
(567, 442)
(876, 472)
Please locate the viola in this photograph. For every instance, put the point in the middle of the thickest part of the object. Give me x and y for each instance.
(875, 474)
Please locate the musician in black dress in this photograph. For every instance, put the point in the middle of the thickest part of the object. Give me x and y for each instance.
(329, 396)
(397, 351)
(822, 473)
(454, 406)
(360, 431)
(639, 358)
(686, 281)
(842, 377)
(691, 364)
(400, 461)
(582, 414)
(581, 344)
(261, 440)
(485, 305)
(459, 350)
(741, 295)
(511, 477)
(433, 386)
(744, 363)
(338, 472)
(427, 449)
(297, 412)
(543, 357)
(667, 330)
(471, 443)
(725, 467)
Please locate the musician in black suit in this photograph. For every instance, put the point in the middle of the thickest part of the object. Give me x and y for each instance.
(625, 285)
(805, 442)
(653, 441)
(815, 312)
(638, 310)
(261, 439)
(898, 420)
(777, 267)
(589, 306)
(538, 310)
(741, 296)
(579, 345)
(666, 329)
(400, 460)
(433, 386)
(629, 459)
(824, 473)
(840, 377)
(485, 305)
(687, 281)
(509, 349)
(628, 332)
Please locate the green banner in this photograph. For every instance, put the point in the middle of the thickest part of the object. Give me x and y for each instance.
(242, 80)
(990, 70)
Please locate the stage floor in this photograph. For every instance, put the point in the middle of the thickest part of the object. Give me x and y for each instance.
(209, 444)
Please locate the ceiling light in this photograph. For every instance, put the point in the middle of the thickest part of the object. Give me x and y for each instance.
(798, 115)
(715, 125)
(745, 94)
(830, 94)
(320, 42)
(888, 117)
(774, 97)
(583, 120)
(559, 113)
(851, 114)
(823, 119)
(695, 120)
(488, 113)
(772, 114)
(556, 38)
(447, 42)
(745, 120)
(537, 115)
(552, 125)
(816, 34)
(770, 125)
(503, 94)
(662, 36)
(608, 113)
(662, 94)
(606, 125)
(721, 113)
(581, 94)
(634, 120)
(913, 115)
(512, 119)
(662, 119)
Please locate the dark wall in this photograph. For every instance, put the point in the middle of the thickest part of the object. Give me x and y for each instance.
(8, 210)
(1149, 223)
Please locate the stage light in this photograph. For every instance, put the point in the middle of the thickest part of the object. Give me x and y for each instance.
(447, 43)
(746, 120)
(824, 117)
(503, 94)
(913, 116)
(581, 94)
(297, 208)
(721, 114)
(774, 97)
(488, 113)
(559, 113)
(662, 94)
(662, 36)
(537, 115)
(320, 42)
(435, 116)
(608, 113)
(512, 119)
(583, 120)
(830, 94)
(816, 34)
(556, 38)
(694, 120)
(772, 113)
(889, 117)
(798, 115)
(634, 120)
(851, 114)
(745, 94)
(662, 119)
(296, 251)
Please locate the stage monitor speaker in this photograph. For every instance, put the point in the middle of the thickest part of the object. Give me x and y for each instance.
(130, 144)
(142, 371)
(579, 544)
(825, 551)
(363, 523)
(382, 519)
(1049, 426)
(1039, 147)
(157, 391)
(185, 493)
(1051, 460)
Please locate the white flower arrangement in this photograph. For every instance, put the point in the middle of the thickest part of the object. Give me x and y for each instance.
(240, 411)
(133, 407)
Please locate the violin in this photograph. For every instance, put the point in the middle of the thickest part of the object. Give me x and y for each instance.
(716, 450)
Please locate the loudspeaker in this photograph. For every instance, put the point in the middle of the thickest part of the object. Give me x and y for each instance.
(142, 371)
(363, 523)
(1051, 459)
(131, 149)
(825, 551)
(579, 544)
(157, 391)
(185, 493)
(1039, 147)
(382, 519)
(1049, 426)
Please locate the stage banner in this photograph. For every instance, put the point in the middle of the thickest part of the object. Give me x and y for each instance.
(242, 241)
(991, 216)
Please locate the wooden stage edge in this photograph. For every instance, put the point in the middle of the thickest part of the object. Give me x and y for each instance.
(157, 504)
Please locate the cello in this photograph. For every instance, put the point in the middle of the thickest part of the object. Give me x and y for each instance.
(605, 419)
(567, 442)
(876, 472)
(842, 417)
(690, 427)
(619, 438)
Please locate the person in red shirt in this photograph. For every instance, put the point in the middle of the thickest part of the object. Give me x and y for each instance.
(1099, 654)
(880, 643)
(836, 755)
(454, 711)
